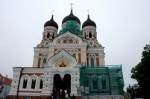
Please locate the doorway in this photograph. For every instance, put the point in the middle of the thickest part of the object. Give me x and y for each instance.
(64, 83)
(57, 82)
(67, 83)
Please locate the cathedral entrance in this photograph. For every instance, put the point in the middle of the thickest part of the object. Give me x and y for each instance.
(57, 82)
(67, 83)
(64, 84)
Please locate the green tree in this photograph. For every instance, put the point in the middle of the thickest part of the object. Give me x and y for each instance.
(141, 73)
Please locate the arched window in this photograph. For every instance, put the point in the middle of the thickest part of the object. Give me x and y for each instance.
(41, 84)
(53, 35)
(44, 60)
(92, 62)
(90, 35)
(103, 83)
(48, 35)
(95, 84)
(33, 83)
(25, 83)
(85, 35)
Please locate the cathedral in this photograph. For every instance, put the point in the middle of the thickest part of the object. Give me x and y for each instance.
(70, 59)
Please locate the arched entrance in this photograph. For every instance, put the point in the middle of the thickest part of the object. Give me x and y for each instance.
(67, 83)
(57, 82)
(64, 83)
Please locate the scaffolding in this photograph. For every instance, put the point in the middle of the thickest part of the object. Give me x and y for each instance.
(71, 26)
(102, 80)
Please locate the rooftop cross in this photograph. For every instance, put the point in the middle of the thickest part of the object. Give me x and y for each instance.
(71, 6)
(52, 12)
(88, 11)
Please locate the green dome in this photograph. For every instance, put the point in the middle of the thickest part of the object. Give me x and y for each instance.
(71, 26)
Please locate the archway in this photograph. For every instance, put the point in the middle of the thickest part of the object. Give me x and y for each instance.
(57, 82)
(67, 83)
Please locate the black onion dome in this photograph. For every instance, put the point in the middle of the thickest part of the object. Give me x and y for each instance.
(88, 22)
(51, 22)
(71, 17)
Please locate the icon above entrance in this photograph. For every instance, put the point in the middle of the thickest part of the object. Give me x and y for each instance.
(62, 64)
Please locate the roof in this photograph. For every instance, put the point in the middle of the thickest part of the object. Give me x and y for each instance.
(5, 80)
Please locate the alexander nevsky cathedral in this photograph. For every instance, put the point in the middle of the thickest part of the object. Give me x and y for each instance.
(70, 59)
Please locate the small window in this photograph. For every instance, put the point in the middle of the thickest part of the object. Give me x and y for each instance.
(48, 35)
(53, 35)
(90, 35)
(92, 62)
(94, 83)
(33, 83)
(44, 60)
(41, 84)
(25, 83)
(103, 83)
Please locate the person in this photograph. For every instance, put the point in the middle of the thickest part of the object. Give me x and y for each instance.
(73, 97)
(66, 96)
(52, 96)
(60, 92)
(65, 91)
(63, 94)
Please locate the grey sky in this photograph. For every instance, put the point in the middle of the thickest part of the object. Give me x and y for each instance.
(122, 27)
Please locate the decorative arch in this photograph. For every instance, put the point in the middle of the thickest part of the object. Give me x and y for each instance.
(33, 79)
(104, 82)
(67, 72)
(62, 55)
(56, 72)
(92, 60)
(24, 81)
(40, 82)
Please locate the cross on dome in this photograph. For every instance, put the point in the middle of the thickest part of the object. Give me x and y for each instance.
(52, 12)
(71, 6)
(88, 11)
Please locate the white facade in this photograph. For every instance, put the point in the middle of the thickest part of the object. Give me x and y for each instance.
(54, 50)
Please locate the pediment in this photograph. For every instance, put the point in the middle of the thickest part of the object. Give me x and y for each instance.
(62, 59)
(68, 38)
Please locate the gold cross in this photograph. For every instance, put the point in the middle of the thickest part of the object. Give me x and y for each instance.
(88, 12)
(71, 6)
(52, 12)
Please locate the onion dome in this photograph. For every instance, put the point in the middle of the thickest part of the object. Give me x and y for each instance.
(51, 22)
(71, 17)
(88, 22)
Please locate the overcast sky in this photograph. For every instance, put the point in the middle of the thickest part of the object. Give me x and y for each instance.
(123, 28)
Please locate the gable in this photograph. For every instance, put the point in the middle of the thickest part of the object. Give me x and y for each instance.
(67, 38)
(62, 58)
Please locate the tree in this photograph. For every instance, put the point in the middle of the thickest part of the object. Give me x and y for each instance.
(141, 73)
